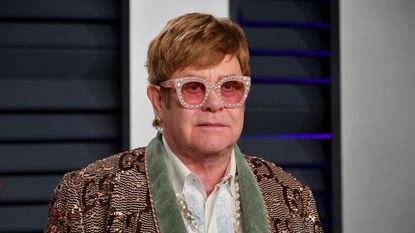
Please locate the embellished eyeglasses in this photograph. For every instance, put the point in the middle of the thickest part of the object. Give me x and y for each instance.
(193, 92)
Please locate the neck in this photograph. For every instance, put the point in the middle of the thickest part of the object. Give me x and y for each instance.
(210, 171)
(209, 167)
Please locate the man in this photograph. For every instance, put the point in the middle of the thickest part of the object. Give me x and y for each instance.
(192, 176)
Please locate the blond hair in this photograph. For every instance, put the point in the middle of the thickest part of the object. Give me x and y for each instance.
(198, 40)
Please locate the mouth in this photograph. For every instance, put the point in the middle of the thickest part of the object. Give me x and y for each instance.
(211, 124)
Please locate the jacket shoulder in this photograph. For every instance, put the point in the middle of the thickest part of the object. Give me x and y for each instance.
(264, 169)
(113, 164)
(97, 197)
(101, 172)
(290, 204)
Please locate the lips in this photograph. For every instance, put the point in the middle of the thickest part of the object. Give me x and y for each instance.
(212, 124)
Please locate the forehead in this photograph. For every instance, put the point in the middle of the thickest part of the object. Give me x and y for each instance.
(229, 66)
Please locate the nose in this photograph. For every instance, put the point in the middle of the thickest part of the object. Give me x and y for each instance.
(213, 102)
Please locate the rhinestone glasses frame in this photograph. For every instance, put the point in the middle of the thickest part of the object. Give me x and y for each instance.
(178, 84)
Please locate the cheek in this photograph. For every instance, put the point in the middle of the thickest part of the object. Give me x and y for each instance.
(182, 119)
(238, 119)
(240, 114)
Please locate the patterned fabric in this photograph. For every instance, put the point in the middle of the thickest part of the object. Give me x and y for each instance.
(290, 205)
(113, 195)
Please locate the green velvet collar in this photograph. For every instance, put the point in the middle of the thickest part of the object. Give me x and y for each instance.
(164, 198)
(168, 214)
(254, 217)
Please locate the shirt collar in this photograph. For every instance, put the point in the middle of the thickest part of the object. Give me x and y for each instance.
(178, 171)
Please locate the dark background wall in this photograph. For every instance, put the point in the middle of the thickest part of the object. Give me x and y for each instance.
(292, 111)
(60, 99)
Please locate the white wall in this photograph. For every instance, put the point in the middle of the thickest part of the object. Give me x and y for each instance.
(378, 115)
(147, 18)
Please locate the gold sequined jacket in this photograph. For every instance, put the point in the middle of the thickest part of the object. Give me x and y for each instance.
(130, 192)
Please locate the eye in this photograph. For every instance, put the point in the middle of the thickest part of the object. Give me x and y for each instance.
(193, 87)
(227, 85)
(232, 85)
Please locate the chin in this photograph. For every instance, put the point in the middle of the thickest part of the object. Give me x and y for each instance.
(213, 145)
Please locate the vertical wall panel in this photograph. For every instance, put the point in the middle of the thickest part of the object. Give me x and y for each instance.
(289, 118)
(147, 19)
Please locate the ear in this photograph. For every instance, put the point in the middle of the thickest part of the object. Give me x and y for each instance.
(154, 94)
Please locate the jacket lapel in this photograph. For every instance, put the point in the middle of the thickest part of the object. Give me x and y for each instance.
(254, 217)
(164, 198)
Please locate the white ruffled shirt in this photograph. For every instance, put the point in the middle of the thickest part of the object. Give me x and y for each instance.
(213, 213)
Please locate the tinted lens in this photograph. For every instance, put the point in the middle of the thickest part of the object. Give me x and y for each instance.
(232, 91)
(193, 92)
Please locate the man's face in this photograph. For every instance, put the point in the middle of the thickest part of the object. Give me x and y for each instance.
(211, 129)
